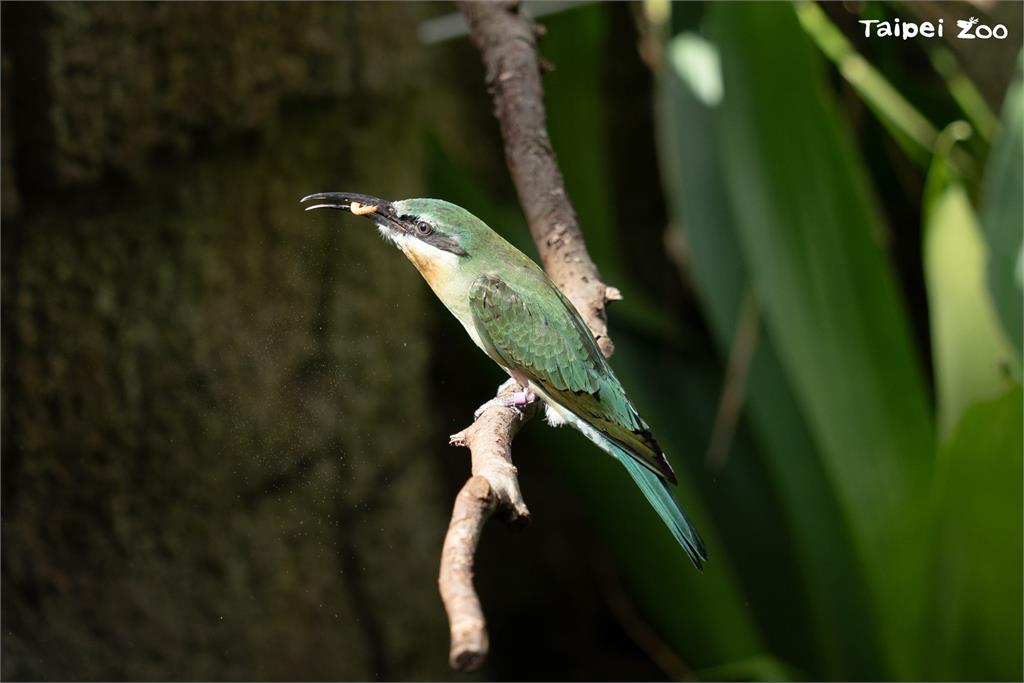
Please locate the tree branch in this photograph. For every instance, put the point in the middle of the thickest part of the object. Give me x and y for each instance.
(507, 42)
(493, 487)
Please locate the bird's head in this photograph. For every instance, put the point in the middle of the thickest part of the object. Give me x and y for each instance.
(425, 229)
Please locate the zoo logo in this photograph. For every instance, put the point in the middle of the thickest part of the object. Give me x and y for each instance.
(970, 29)
(982, 31)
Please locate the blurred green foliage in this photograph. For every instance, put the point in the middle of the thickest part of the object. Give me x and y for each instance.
(864, 514)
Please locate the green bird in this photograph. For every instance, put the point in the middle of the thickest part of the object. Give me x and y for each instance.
(518, 317)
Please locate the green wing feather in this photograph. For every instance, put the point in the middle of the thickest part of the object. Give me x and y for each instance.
(544, 339)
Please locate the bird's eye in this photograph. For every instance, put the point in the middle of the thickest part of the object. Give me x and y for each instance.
(424, 228)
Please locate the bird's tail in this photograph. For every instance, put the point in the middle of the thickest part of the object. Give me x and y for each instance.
(661, 498)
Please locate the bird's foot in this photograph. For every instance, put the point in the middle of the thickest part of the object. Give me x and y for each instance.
(519, 399)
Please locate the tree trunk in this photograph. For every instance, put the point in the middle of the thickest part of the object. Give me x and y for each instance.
(206, 472)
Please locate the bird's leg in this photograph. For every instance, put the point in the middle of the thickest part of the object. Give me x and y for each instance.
(518, 399)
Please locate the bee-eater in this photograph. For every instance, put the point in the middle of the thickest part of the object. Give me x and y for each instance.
(518, 317)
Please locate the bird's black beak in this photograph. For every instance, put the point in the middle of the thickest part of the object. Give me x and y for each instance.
(379, 210)
(385, 215)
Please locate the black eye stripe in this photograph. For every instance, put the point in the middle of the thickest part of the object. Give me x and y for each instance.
(421, 226)
(427, 233)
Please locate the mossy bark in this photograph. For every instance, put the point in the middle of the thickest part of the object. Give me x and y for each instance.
(215, 406)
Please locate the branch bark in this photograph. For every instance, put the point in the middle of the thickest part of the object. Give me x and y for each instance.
(508, 46)
(493, 487)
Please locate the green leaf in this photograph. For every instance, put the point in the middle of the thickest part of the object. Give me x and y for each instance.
(963, 90)
(689, 95)
(808, 231)
(909, 127)
(1001, 212)
(972, 356)
(757, 669)
(976, 623)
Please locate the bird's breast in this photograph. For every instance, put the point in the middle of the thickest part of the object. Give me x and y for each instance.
(441, 271)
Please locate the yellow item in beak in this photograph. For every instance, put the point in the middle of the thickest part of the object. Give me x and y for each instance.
(358, 209)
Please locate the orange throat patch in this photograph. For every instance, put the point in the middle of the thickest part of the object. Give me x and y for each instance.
(432, 271)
